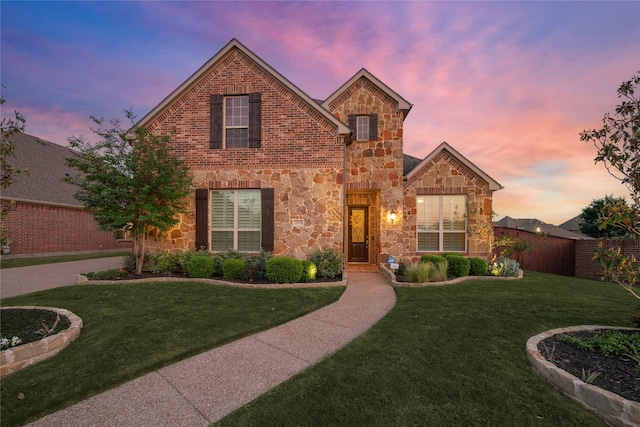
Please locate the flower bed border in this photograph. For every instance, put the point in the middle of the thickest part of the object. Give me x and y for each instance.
(21, 356)
(607, 405)
(392, 279)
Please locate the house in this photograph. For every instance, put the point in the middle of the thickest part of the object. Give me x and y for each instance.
(46, 219)
(279, 170)
(536, 226)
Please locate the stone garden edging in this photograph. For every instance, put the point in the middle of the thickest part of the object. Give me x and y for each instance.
(392, 279)
(21, 356)
(83, 280)
(609, 406)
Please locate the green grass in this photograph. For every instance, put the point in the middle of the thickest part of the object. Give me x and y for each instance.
(29, 261)
(448, 356)
(133, 329)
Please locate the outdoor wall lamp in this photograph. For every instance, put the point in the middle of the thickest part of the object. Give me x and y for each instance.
(392, 216)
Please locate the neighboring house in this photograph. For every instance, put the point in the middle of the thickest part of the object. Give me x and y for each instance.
(278, 170)
(46, 218)
(573, 225)
(537, 226)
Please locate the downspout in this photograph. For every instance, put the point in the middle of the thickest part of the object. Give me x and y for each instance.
(344, 203)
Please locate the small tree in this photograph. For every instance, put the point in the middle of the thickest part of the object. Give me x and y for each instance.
(618, 145)
(131, 179)
(591, 219)
(8, 128)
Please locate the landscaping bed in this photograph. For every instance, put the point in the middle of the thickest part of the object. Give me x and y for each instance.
(617, 373)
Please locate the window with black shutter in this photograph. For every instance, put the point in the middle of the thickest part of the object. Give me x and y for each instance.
(235, 121)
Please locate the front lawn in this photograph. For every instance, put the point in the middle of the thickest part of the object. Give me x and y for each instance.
(448, 356)
(132, 329)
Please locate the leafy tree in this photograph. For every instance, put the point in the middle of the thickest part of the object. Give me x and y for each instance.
(592, 215)
(618, 142)
(618, 145)
(131, 179)
(8, 128)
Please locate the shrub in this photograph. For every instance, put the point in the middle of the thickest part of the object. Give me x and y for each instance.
(200, 266)
(431, 258)
(419, 273)
(328, 262)
(255, 265)
(505, 267)
(129, 263)
(232, 268)
(284, 269)
(479, 267)
(220, 258)
(459, 266)
(309, 271)
(164, 263)
(185, 256)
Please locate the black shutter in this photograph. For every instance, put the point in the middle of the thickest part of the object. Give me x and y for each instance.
(353, 125)
(254, 120)
(373, 127)
(202, 218)
(268, 220)
(215, 122)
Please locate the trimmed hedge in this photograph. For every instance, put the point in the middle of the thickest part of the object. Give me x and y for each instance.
(309, 271)
(284, 269)
(328, 262)
(478, 267)
(232, 268)
(432, 258)
(200, 266)
(459, 266)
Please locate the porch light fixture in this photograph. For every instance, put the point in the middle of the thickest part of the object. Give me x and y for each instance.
(392, 216)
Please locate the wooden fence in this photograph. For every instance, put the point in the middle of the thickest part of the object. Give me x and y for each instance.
(548, 254)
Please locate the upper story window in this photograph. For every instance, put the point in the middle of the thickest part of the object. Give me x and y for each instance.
(442, 223)
(236, 122)
(362, 126)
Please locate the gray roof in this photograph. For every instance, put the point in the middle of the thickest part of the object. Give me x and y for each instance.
(408, 163)
(45, 162)
(536, 226)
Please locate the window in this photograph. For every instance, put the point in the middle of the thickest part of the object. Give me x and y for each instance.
(236, 218)
(441, 223)
(362, 132)
(236, 121)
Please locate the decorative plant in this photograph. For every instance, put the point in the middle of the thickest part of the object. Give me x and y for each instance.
(45, 331)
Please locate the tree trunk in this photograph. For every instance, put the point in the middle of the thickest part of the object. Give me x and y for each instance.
(138, 243)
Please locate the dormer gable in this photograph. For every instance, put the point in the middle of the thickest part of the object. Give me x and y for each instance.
(375, 85)
(458, 163)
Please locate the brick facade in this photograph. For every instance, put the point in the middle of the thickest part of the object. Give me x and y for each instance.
(34, 228)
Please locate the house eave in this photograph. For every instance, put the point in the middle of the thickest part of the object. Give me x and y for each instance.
(341, 128)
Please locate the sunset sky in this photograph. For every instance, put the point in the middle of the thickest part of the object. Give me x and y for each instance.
(508, 84)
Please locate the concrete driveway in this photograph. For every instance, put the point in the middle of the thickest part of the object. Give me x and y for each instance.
(24, 280)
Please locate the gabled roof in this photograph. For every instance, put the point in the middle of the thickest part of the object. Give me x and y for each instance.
(403, 104)
(46, 166)
(342, 129)
(534, 225)
(493, 184)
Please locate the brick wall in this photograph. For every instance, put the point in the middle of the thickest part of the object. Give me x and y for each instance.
(587, 268)
(39, 228)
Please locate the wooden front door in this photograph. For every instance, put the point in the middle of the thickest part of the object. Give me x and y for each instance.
(358, 234)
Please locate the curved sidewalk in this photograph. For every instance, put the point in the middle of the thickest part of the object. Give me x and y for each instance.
(205, 388)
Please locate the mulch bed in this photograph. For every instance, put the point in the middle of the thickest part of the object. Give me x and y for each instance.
(618, 374)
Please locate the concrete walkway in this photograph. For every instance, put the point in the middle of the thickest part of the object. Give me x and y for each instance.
(205, 388)
(24, 280)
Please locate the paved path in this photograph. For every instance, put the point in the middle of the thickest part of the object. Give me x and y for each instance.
(24, 280)
(203, 389)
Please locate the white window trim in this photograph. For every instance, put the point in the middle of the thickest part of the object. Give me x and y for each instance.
(235, 228)
(441, 230)
(362, 130)
(224, 120)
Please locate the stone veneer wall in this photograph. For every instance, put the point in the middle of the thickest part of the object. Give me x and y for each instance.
(313, 195)
(376, 165)
(446, 175)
